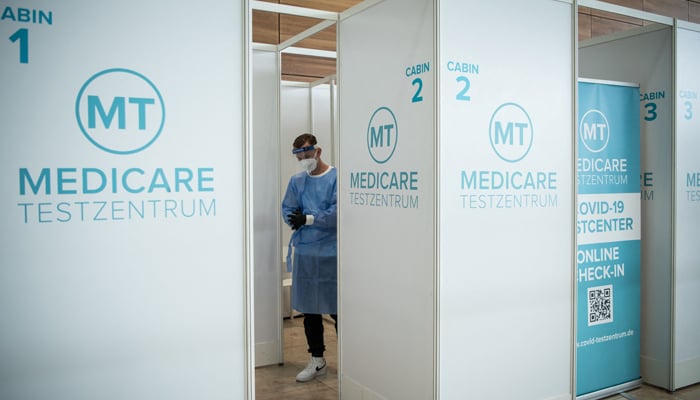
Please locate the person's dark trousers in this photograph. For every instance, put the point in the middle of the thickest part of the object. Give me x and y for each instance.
(313, 327)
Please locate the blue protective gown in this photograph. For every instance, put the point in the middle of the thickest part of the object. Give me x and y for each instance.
(314, 263)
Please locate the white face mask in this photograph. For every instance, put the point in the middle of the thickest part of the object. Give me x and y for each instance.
(308, 164)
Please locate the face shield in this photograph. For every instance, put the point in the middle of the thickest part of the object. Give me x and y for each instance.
(304, 152)
(307, 158)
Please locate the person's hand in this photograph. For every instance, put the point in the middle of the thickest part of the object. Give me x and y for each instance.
(296, 219)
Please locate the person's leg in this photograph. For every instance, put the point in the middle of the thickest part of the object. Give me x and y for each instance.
(335, 318)
(313, 328)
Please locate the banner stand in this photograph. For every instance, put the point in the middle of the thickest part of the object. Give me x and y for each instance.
(607, 392)
(608, 238)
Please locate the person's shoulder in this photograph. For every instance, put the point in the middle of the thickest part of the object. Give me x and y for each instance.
(331, 173)
(296, 178)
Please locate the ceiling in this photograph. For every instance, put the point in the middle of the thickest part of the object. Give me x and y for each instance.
(275, 28)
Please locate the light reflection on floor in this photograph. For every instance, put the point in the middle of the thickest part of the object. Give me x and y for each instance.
(277, 382)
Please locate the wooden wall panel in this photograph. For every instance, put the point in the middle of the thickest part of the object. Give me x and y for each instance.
(605, 26)
(694, 11)
(306, 67)
(670, 8)
(617, 17)
(636, 4)
(291, 25)
(584, 26)
(265, 27)
(326, 5)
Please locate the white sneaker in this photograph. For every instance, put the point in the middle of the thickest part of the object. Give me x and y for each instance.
(315, 367)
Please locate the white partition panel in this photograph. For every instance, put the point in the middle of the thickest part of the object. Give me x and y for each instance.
(322, 118)
(121, 200)
(506, 199)
(295, 119)
(645, 56)
(266, 208)
(686, 334)
(386, 201)
(500, 238)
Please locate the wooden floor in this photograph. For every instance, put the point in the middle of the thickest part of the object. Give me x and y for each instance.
(647, 392)
(277, 382)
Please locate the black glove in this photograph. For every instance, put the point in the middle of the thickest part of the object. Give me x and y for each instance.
(296, 219)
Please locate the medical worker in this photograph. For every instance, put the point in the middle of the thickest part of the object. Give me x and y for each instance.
(309, 208)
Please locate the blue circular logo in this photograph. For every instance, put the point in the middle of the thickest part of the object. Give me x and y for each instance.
(120, 111)
(382, 135)
(594, 131)
(511, 132)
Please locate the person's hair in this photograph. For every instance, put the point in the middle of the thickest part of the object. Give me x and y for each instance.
(304, 138)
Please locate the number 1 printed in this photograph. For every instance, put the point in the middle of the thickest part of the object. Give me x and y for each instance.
(23, 36)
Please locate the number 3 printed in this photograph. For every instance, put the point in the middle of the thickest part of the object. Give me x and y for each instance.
(651, 111)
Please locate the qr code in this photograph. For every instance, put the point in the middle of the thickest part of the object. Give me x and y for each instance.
(600, 305)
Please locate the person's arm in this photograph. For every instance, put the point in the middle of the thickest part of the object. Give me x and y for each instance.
(290, 202)
(328, 217)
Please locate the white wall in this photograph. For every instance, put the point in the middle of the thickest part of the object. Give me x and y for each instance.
(101, 303)
(295, 119)
(645, 56)
(323, 117)
(506, 268)
(266, 208)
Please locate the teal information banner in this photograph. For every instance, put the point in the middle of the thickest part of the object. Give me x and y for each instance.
(608, 236)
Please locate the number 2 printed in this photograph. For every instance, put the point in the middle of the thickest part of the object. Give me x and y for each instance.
(462, 95)
(417, 96)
